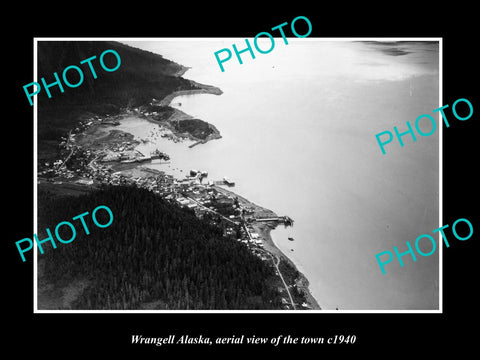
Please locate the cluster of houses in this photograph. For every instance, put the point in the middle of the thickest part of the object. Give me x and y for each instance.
(92, 167)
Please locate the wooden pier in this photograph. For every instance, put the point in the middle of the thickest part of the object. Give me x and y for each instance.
(286, 220)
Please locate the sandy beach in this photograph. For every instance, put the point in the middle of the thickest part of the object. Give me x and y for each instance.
(264, 229)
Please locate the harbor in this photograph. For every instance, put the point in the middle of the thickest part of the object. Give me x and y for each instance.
(92, 157)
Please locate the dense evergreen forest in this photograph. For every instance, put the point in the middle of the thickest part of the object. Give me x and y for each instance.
(141, 77)
(153, 254)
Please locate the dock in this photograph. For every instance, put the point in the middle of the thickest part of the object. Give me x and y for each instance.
(197, 143)
(225, 181)
(286, 220)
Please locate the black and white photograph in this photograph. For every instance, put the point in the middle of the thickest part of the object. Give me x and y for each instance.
(259, 187)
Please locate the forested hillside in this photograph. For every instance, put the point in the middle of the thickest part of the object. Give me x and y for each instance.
(141, 77)
(153, 253)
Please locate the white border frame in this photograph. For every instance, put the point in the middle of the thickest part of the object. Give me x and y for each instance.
(120, 39)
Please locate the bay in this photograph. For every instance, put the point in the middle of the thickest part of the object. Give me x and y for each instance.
(298, 132)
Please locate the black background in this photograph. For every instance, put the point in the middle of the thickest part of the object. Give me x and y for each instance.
(380, 335)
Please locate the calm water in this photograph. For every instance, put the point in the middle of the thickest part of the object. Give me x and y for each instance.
(298, 129)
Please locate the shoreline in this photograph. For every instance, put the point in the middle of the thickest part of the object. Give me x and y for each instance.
(203, 89)
(302, 281)
(182, 71)
(264, 229)
(179, 115)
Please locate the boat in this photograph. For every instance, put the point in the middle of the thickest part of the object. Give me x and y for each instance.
(290, 238)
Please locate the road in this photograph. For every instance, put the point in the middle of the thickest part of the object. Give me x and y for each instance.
(248, 233)
(278, 269)
(213, 211)
(281, 277)
(91, 162)
(71, 151)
